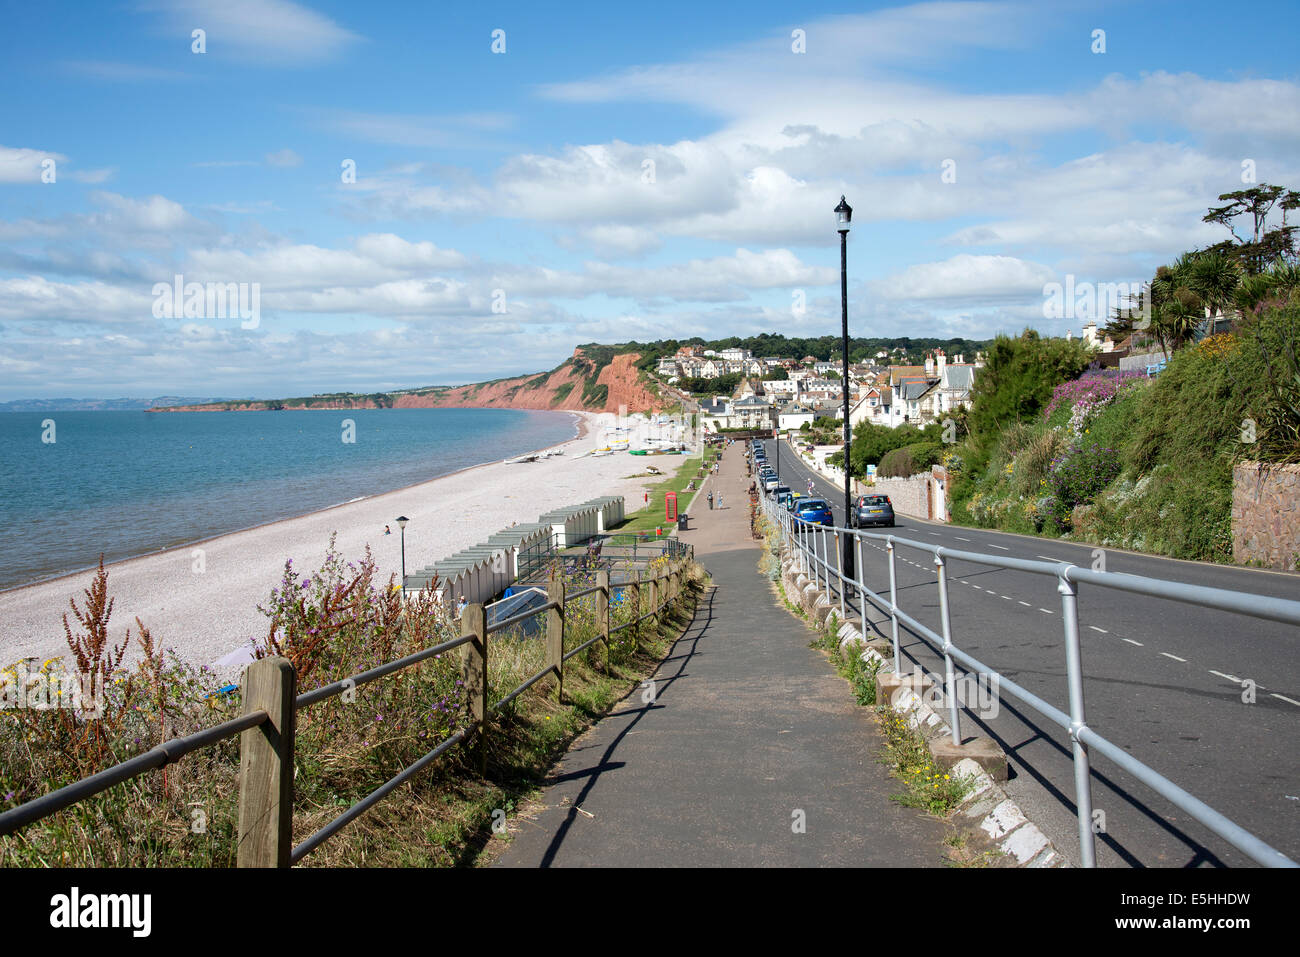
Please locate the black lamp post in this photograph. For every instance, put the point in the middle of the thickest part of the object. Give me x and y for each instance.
(843, 215)
(401, 523)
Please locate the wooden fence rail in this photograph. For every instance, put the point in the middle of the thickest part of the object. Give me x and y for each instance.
(267, 729)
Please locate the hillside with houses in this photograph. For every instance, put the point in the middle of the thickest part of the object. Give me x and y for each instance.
(790, 393)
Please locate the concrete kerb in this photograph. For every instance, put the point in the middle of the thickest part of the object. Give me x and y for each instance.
(997, 820)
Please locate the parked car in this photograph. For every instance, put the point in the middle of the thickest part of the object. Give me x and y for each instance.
(792, 501)
(780, 493)
(872, 510)
(816, 511)
(770, 481)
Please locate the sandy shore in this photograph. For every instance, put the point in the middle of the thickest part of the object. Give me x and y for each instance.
(206, 616)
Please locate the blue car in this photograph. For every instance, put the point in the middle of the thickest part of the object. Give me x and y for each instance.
(816, 511)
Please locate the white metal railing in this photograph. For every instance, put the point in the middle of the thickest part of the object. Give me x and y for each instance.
(810, 544)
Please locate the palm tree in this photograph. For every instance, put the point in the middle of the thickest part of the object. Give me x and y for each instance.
(1214, 278)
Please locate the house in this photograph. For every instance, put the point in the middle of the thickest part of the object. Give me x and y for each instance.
(872, 407)
(794, 417)
(955, 384)
(735, 355)
(774, 387)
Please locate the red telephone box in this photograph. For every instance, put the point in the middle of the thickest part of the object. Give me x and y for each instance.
(670, 507)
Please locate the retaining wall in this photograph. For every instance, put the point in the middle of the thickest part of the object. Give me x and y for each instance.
(1266, 515)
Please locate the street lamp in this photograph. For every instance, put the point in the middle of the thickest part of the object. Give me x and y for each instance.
(843, 216)
(401, 523)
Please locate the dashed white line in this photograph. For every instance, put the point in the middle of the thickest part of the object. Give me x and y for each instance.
(1222, 675)
(1050, 559)
(1132, 642)
(935, 534)
(960, 539)
(1007, 597)
(1026, 604)
(1102, 630)
(1002, 547)
(1286, 699)
(990, 591)
(1045, 611)
(1175, 657)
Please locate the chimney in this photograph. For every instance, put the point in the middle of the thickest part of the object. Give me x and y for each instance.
(929, 365)
(943, 361)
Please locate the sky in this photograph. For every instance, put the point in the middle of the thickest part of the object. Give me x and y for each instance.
(417, 193)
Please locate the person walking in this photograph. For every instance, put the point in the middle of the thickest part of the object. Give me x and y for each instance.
(710, 497)
(719, 500)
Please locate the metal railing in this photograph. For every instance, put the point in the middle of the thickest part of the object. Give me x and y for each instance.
(811, 548)
(267, 728)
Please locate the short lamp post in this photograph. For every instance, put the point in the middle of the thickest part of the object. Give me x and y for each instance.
(843, 216)
(401, 523)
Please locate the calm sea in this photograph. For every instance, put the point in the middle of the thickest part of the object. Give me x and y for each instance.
(129, 483)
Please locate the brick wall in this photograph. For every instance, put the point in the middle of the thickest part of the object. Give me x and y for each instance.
(1266, 514)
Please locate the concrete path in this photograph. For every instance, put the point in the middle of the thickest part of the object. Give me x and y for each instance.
(749, 734)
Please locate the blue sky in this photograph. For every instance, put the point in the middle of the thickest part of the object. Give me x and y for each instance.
(522, 178)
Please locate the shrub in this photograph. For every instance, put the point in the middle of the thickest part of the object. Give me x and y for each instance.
(1077, 476)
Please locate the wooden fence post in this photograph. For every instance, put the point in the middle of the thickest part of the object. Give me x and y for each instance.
(555, 631)
(602, 611)
(266, 766)
(636, 601)
(474, 673)
(654, 598)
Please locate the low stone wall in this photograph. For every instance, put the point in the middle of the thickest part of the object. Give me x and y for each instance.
(924, 495)
(1266, 515)
(909, 496)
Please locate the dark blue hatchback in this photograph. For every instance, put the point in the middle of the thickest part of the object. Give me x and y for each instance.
(814, 510)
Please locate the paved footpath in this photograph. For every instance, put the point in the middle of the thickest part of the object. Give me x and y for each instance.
(749, 727)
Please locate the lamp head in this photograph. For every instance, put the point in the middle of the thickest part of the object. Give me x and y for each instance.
(843, 215)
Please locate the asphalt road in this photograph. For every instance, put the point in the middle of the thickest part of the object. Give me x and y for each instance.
(1163, 680)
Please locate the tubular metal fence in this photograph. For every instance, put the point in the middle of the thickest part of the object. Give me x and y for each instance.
(811, 547)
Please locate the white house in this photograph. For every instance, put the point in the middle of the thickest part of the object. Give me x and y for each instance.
(794, 417)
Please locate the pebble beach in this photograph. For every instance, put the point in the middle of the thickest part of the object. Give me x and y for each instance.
(209, 615)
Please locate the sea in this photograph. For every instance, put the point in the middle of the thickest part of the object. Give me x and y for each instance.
(74, 485)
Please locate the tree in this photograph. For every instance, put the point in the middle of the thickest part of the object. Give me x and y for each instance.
(1265, 245)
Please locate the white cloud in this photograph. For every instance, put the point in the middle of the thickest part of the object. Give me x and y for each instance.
(274, 32)
(284, 158)
(22, 165)
(969, 278)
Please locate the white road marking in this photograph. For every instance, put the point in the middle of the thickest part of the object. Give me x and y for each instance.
(1007, 597)
(960, 539)
(1132, 642)
(1026, 604)
(935, 534)
(1102, 630)
(990, 591)
(1222, 675)
(1003, 547)
(1286, 699)
(1045, 611)
(1050, 559)
(1175, 657)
